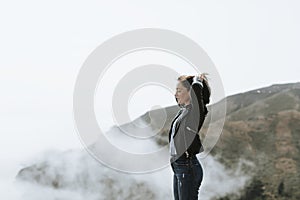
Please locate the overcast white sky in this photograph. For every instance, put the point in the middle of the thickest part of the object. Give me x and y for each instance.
(253, 43)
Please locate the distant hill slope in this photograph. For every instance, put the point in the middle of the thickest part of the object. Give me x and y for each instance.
(262, 126)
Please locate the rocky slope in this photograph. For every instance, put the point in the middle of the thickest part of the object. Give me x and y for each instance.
(263, 126)
(260, 138)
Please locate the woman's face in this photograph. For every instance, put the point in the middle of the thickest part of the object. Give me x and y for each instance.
(182, 94)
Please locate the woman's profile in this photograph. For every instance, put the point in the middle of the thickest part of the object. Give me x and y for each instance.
(192, 95)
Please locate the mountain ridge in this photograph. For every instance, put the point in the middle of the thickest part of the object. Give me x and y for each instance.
(262, 127)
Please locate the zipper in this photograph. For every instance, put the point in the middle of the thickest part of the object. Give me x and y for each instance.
(188, 128)
(184, 138)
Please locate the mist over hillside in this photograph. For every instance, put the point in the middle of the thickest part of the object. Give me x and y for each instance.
(256, 157)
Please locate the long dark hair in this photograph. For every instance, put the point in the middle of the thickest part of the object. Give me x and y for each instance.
(187, 81)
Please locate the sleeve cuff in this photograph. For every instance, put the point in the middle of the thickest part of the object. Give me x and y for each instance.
(196, 80)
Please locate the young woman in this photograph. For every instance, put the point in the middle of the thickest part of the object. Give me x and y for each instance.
(192, 95)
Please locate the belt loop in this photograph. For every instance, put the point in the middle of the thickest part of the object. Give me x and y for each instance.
(186, 154)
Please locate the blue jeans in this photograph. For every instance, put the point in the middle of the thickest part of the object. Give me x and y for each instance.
(188, 175)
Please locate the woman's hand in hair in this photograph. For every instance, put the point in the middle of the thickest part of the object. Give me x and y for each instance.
(202, 77)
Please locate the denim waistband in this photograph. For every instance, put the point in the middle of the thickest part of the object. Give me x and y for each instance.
(183, 157)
